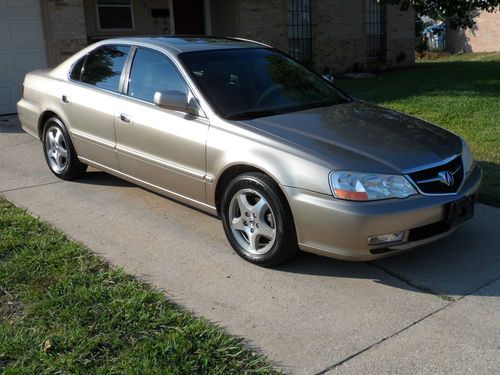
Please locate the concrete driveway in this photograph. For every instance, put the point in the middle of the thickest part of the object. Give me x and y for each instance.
(435, 310)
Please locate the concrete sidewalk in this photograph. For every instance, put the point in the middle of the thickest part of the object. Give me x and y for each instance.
(435, 310)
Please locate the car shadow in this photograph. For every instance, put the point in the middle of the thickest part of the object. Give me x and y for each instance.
(462, 264)
(100, 178)
(489, 192)
(96, 177)
(10, 124)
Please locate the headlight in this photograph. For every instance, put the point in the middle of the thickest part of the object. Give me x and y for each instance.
(467, 158)
(366, 186)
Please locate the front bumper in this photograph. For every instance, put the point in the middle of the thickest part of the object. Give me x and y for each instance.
(340, 229)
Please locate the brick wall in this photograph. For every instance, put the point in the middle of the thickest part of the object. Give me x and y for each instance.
(400, 37)
(338, 35)
(483, 37)
(65, 31)
(339, 42)
(264, 21)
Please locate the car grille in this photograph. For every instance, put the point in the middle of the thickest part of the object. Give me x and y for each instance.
(444, 179)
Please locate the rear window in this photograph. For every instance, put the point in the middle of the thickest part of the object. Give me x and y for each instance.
(104, 65)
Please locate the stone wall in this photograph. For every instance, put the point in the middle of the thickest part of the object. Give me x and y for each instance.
(65, 32)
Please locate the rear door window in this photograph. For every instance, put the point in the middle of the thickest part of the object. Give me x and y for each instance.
(151, 72)
(104, 65)
(76, 70)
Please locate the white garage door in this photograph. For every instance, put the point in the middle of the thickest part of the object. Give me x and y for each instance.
(22, 48)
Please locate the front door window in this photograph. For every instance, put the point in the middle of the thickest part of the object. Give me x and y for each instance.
(151, 72)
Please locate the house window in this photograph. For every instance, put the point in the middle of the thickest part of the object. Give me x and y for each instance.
(115, 14)
(299, 30)
(374, 17)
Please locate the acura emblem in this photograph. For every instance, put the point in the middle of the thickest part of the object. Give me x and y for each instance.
(446, 178)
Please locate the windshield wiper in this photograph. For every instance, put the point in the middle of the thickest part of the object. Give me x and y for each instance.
(248, 115)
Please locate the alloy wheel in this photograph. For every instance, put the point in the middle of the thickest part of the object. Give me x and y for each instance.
(56, 149)
(252, 221)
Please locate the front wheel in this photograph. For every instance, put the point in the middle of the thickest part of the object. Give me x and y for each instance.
(257, 220)
(59, 152)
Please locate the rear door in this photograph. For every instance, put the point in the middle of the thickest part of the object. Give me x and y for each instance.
(162, 147)
(89, 102)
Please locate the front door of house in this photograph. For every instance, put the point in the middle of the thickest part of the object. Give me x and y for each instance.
(188, 17)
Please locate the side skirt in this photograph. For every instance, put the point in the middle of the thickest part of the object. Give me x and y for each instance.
(170, 194)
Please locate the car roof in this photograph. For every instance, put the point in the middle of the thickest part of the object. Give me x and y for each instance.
(189, 43)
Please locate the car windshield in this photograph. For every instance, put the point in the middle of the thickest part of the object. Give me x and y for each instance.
(256, 82)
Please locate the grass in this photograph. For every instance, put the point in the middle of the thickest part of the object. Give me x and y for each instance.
(458, 92)
(63, 310)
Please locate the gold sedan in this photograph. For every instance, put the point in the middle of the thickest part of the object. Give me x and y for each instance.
(242, 131)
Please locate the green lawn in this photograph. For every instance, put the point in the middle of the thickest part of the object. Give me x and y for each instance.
(460, 93)
(64, 311)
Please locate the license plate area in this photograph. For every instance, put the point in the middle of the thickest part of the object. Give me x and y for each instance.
(460, 210)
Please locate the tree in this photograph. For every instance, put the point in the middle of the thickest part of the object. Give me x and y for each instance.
(457, 13)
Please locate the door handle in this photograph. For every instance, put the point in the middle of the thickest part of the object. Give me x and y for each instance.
(65, 99)
(124, 118)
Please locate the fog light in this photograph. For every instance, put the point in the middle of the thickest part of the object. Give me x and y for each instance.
(386, 238)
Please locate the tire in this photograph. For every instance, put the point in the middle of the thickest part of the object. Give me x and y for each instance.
(258, 221)
(59, 152)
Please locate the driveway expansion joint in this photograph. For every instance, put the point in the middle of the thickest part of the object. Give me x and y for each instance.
(341, 362)
(19, 144)
(30, 187)
(452, 302)
(408, 282)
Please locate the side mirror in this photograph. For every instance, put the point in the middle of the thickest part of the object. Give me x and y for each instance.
(193, 108)
(173, 100)
(177, 101)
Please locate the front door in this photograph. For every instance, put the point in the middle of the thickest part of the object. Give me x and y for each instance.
(188, 17)
(162, 147)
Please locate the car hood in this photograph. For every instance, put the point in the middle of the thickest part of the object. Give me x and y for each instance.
(361, 136)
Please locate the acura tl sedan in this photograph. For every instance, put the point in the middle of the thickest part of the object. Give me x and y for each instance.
(242, 131)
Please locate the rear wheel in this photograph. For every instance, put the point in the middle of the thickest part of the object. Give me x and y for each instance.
(59, 152)
(258, 221)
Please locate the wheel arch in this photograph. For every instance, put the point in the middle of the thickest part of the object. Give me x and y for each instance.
(233, 171)
(43, 119)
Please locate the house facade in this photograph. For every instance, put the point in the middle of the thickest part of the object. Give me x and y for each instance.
(328, 35)
(484, 36)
